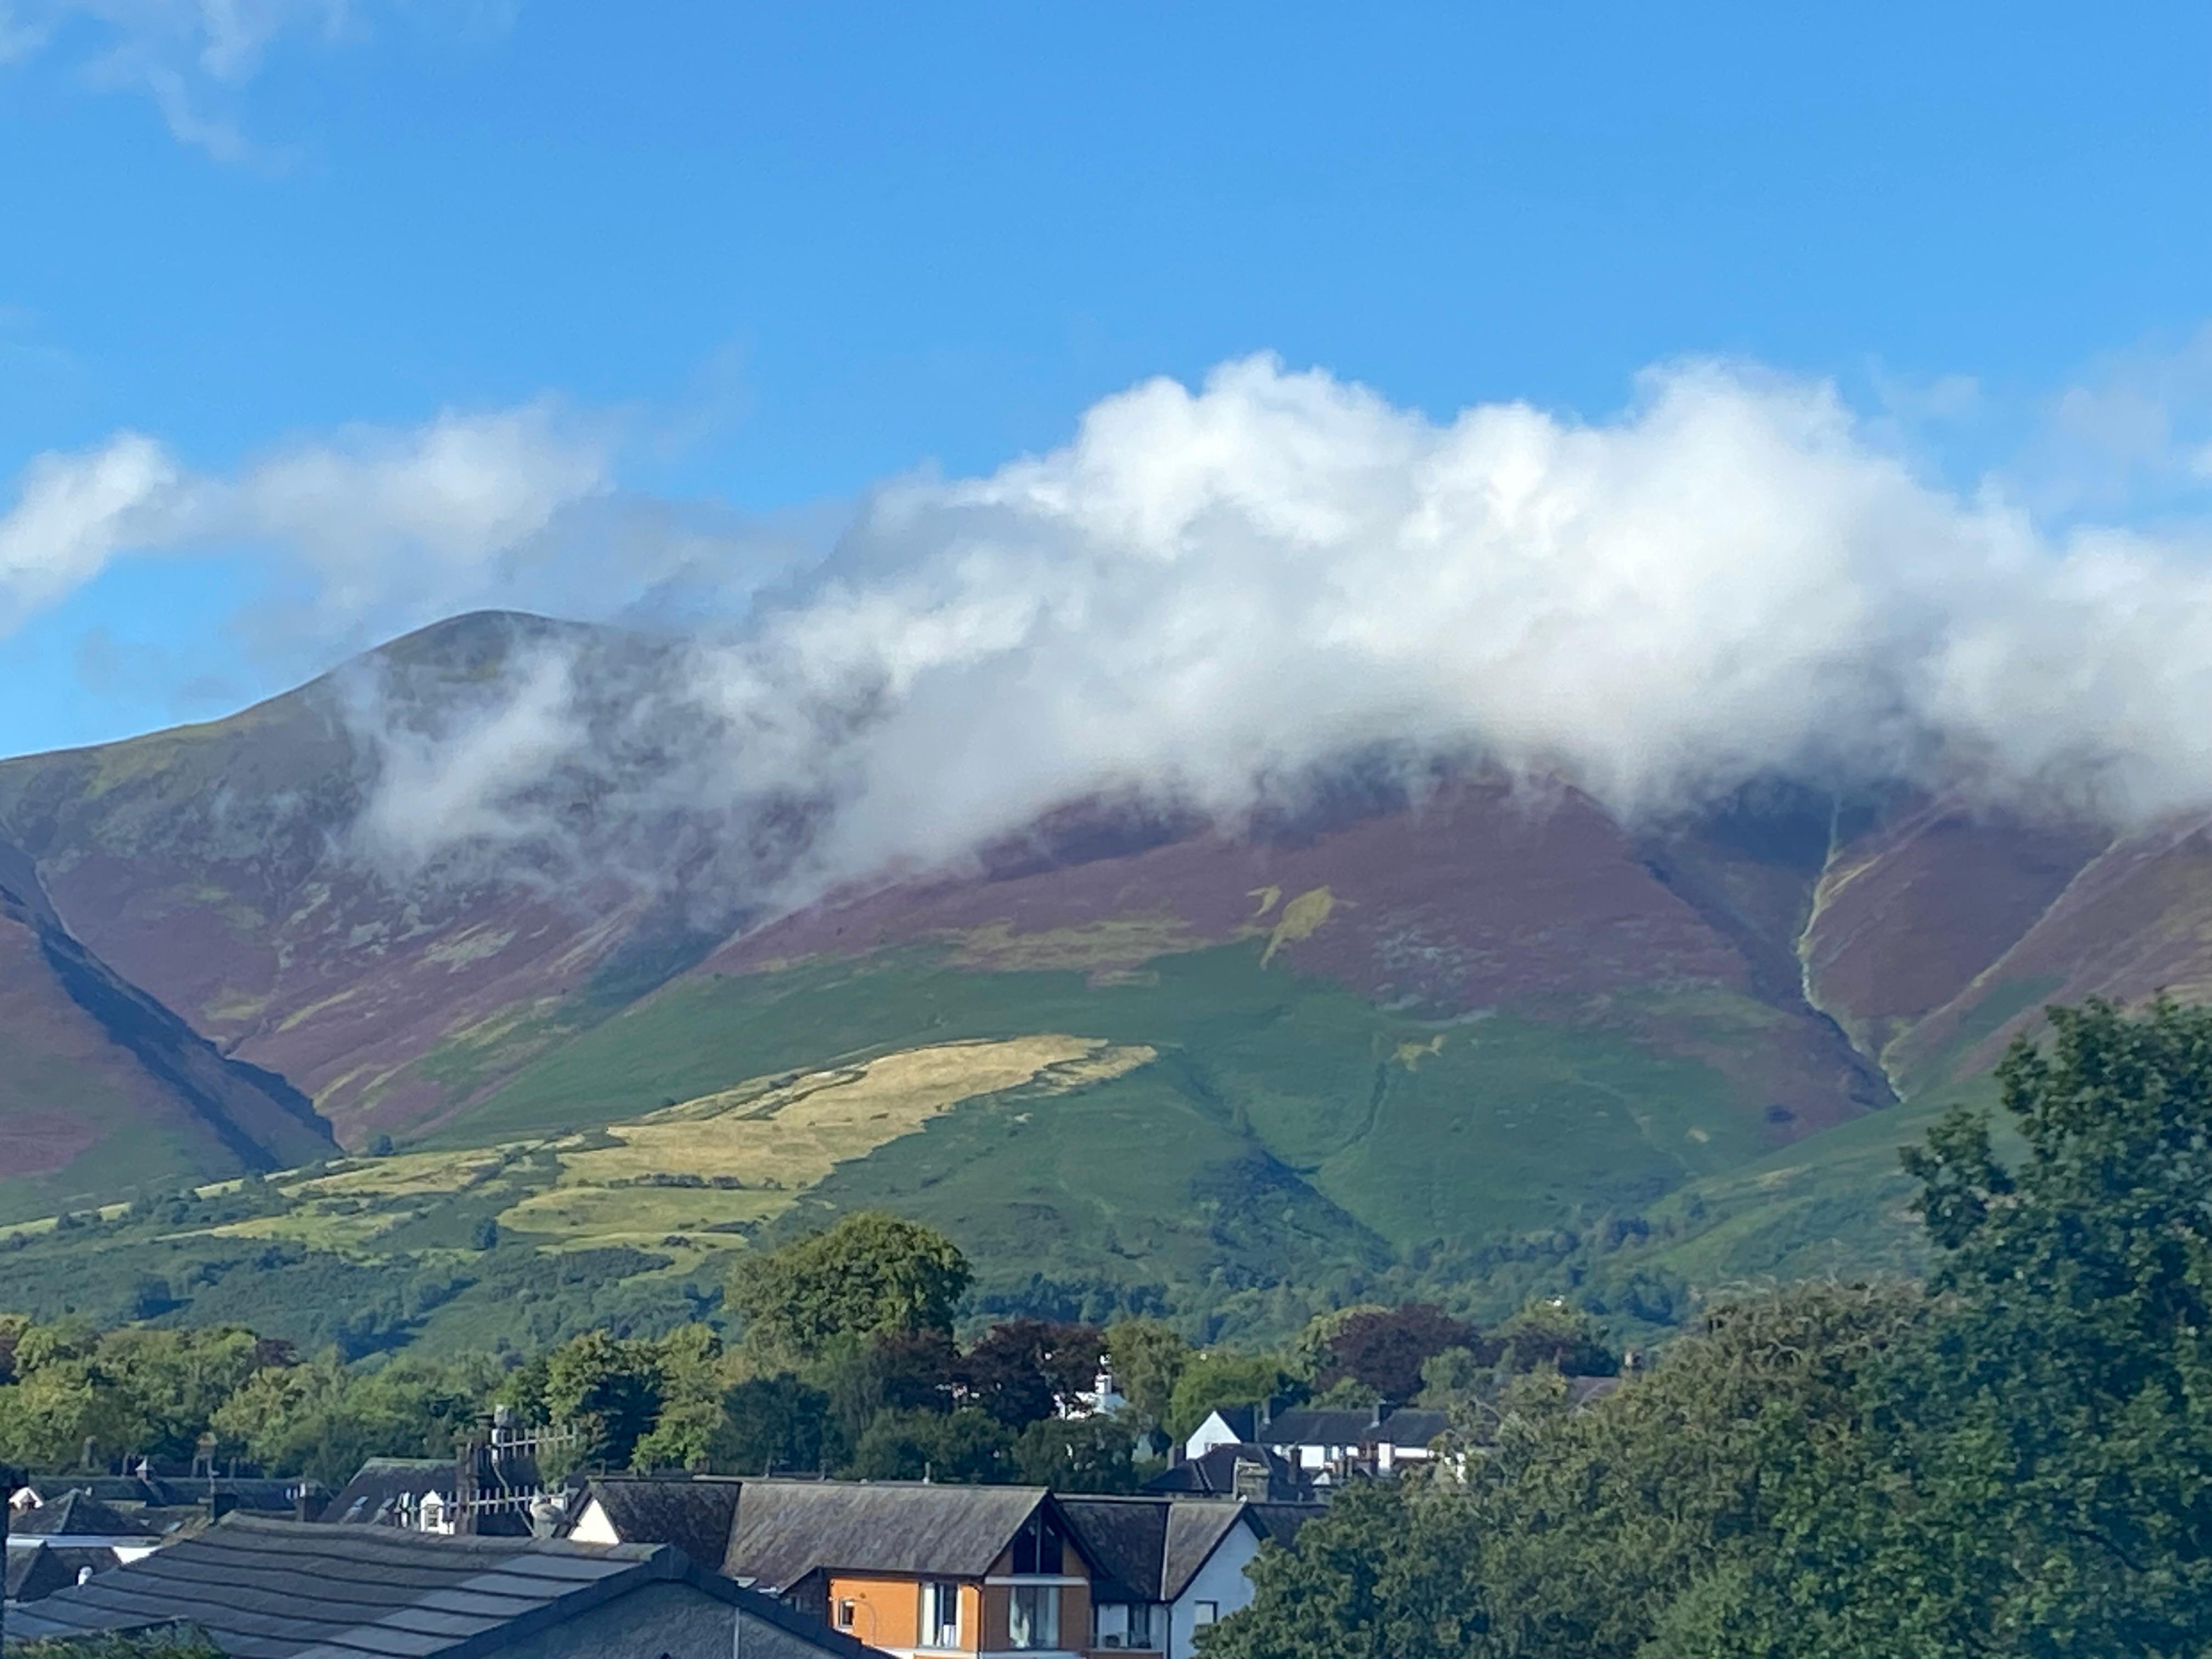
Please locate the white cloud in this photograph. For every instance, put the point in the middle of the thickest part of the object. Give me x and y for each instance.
(421, 511)
(382, 527)
(1206, 594)
(73, 514)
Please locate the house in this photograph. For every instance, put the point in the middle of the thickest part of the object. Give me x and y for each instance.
(1238, 1470)
(45, 1568)
(1165, 1567)
(285, 1590)
(909, 1567)
(77, 1520)
(171, 1504)
(1375, 1440)
(916, 1569)
(413, 1493)
(1226, 1425)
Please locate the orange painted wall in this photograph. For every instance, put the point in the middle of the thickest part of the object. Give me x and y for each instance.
(889, 1614)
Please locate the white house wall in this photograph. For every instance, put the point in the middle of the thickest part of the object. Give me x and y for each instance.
(1221, 1581)
(1206, 1436)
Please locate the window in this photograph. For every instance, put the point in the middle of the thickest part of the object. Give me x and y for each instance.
(845, 1613)
(1140, 1625)
(1037, 1546)
(1205, 1612)
(1033, 1616)
(940, 1615)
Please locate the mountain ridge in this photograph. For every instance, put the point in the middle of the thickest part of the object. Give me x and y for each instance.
(1431, 1011)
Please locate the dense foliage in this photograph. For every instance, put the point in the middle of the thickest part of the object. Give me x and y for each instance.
(2014, 1458)
(846, 1362)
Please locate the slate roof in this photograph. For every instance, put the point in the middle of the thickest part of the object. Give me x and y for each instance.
(1242, 1421)
(175, 1491)
(280, 1590)
(45, 1568)
(1149, 1549)
(787, 1529)
(252, 1492)
(107, 1488)
(1281, 1521)
(1196, 1527)
(375, 1490)
(1215, 1472)
(696, 1515)
(1124, 1540)
(77, 1515)
(1308, 1426)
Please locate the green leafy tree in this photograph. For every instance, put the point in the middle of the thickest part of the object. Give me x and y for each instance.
(1084, 1454)
(1218, 1378)
(693, 1376)
(326, 1419)
(1148, 1358)
(1555, 1335)
(773, 1425)
(609, 1392)
(1391, 1571)
(2034, 1474)
(965, 1447)
(871, 1275)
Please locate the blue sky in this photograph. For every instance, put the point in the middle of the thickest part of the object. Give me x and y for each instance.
(722, 267)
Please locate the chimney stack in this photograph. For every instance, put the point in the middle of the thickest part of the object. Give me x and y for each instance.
(1252, 1480)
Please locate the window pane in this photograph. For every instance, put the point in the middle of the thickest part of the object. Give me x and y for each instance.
(940, 1615)
(1033, 1616)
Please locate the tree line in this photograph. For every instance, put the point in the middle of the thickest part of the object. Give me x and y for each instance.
(841, 1358)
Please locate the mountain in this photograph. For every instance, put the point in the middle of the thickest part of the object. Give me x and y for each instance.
(1407, 1029)
(96, 1074)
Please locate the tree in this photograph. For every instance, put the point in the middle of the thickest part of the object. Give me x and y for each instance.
(964, 1447)
(1597, 1523)
(609, 1391)
(871, 1274)
(1552, 1333)
(1580, 1533)
(1148, 1360)
(1391, 1571)
(1215, 1378)
(772, 1425)
(1083, 1454)
(2033, 1472)
(687, 1427)
(324, 1419)
(1026, 1369)
(1383, 1349)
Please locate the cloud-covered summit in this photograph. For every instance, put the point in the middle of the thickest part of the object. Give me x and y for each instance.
(1206, 595)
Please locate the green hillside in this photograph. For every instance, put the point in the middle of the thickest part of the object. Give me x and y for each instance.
(1212, 1139)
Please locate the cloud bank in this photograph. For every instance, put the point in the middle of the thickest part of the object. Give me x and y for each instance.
(1208, 595)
